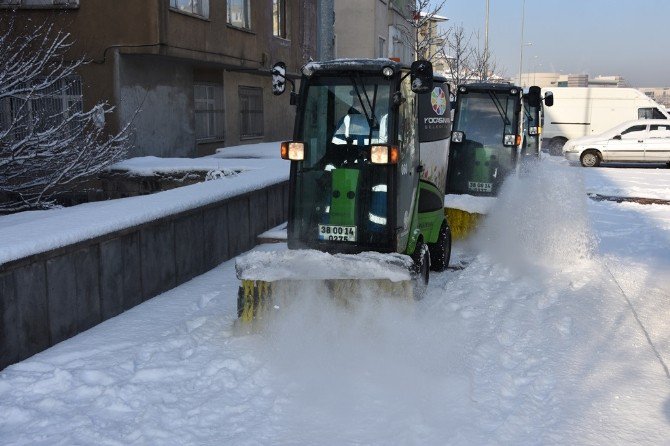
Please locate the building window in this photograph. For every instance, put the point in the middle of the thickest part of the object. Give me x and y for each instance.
(279, 18)
(238, 13)
(208, 104)
(251, 112)
(48, 108)
(197, 7)
(39, 3)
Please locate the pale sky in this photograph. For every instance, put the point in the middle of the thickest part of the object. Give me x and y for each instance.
(599, 37)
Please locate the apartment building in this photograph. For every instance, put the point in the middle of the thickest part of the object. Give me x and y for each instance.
(191, 75)
(373, 28)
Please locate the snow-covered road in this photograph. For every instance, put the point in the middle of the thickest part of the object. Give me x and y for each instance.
(557, 332)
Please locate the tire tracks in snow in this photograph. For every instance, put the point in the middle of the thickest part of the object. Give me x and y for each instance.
(639, 322)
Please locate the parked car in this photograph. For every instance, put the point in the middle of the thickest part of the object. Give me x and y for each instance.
(579, 111)
(644, 140)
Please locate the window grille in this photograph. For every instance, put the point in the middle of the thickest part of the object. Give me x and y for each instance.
(251, 112)
(209, 117)
(45, 108)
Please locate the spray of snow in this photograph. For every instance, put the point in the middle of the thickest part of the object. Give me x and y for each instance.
(539, 220)
(347, 362)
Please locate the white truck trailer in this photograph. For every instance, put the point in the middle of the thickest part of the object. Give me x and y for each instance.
(589, 111)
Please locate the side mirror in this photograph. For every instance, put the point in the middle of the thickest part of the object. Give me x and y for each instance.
(422, 76)
(549, 99)
(278, 78)
(617, 137)
(534, 96)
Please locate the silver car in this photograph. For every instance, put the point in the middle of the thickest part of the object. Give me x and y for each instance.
(645, 141)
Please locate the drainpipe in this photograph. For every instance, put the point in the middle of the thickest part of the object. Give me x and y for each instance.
(325, 38)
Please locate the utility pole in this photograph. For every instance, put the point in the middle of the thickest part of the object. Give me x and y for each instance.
(325, 38)
(523, 20)
(486, 43)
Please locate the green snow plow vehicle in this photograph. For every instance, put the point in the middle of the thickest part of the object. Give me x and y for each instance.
(533, 121)
(486, 143)
(366, 204)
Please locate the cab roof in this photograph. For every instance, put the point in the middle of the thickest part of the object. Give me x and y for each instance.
(339, 65)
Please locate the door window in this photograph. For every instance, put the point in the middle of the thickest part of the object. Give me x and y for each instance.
(659, 131)
(636, 131)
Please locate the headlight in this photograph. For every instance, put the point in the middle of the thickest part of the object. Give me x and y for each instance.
(387, 72)
(509, 140)
(457, 136)
(384, 154)
(294, 151)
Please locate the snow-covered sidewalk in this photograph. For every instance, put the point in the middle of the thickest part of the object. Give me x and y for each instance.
(555, 333)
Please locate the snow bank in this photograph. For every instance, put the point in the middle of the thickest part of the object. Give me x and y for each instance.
(151, 165)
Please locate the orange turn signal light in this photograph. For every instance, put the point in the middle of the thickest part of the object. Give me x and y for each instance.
(294, 151)
(384, 154)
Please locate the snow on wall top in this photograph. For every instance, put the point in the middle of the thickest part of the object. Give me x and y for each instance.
(32, 232)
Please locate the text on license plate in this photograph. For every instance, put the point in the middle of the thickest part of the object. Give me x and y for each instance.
(476, 186)
(339, 233)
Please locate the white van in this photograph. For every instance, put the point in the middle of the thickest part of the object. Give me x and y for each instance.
(581, 112)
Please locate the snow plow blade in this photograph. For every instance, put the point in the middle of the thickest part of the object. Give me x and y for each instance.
(465, 212)
(462, 223)
(270, 279)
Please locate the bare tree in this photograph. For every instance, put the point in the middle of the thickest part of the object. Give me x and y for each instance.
(459, 55)
(483, 65)
(48, 143)
(420, 30)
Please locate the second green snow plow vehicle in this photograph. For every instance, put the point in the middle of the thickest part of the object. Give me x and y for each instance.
(486, 142)
(365, 204)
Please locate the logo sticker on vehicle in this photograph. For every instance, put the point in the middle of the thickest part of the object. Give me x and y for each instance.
(438, 100)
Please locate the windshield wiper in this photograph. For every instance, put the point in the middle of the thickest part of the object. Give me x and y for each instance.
(499, 107)
(371, 118)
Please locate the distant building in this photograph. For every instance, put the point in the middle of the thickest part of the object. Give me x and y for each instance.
(547, 80)
(658, 94)
(196, 72)
(373, 28)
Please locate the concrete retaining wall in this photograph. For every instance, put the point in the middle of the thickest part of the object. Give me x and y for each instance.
(49, 297)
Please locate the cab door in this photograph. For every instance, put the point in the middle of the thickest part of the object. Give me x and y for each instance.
(628, 146)
(658, 144)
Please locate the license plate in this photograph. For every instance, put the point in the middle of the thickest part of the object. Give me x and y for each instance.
(476, 186)
(337, 233)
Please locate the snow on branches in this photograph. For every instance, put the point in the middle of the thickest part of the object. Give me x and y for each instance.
(48, 143)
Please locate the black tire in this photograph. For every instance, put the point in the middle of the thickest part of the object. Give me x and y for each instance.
(590, 158)
(421, 269)
(440, 251)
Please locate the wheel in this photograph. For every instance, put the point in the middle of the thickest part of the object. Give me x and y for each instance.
(590, 158)
(555, 146)
(440, 251)
(421, 269)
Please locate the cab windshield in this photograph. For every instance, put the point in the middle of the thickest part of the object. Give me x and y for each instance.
(343, 111)
(481, 162)
(340, 197)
